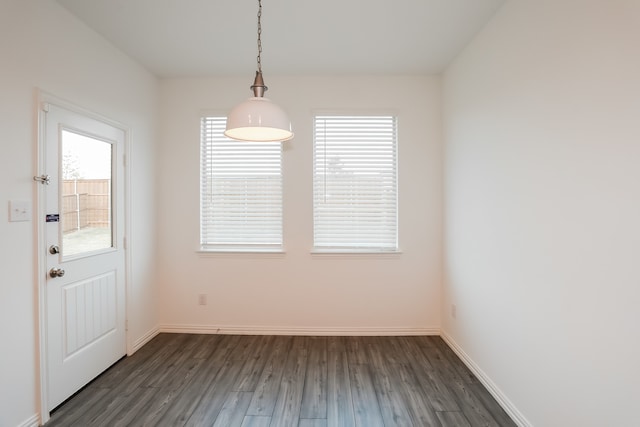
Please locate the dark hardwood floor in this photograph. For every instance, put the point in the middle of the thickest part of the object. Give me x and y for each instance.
(254, 381)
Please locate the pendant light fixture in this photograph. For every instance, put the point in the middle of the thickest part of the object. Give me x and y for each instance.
(258, 119)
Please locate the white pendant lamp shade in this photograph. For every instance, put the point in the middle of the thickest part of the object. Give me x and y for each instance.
(258, 119)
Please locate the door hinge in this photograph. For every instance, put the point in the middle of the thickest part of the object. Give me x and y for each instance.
(124, 160)
(124, 242)
(45, 107)
(126, 324)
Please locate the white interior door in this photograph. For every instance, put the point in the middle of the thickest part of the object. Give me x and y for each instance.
(84, 233)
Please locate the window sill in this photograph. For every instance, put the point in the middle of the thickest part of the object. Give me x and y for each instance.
(344, 253)
(242, 253)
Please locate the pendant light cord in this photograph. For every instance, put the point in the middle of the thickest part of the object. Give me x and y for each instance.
(259, 36)
(258, 86)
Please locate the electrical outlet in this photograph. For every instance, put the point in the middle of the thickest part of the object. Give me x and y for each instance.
(454, 311)
(202, 299)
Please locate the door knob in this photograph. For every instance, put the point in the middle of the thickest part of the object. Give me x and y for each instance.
(54, 249)
(56, 272)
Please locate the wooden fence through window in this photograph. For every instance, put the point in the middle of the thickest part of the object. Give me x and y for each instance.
(85, 203)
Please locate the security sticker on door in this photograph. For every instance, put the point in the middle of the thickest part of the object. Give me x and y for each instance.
(53, 217)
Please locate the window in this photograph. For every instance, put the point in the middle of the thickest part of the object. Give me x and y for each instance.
(240, 191)
(355, 183)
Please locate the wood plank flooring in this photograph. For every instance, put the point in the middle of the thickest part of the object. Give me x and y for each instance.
(288, 381)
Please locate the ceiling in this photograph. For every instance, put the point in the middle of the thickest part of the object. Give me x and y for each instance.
(193, 38)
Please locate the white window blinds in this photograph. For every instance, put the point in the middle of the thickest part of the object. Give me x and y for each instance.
(240, 191)
(355, 183)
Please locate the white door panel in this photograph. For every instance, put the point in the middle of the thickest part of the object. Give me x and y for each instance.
(89, 308)
(85, 300)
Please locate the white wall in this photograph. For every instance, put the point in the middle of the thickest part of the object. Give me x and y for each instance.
(542, 184)
(42, 46)
(298, 292)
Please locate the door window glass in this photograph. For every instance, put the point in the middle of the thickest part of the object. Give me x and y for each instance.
(85, 194)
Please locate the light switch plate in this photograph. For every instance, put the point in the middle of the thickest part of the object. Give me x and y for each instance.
(19, 210)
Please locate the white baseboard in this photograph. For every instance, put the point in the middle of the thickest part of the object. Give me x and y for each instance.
(33, 421)
(278, 330)
(137, 345)
(500, 397)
